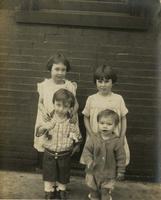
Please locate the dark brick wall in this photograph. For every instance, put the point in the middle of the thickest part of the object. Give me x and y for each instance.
(24, 49)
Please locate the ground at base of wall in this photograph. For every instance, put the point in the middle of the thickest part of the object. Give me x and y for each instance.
(18, 185)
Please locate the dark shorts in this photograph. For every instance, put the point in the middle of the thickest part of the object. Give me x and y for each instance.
(56, 169)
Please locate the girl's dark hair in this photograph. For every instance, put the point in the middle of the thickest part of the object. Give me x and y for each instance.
(105, 72)
(108, 113)
(56, 59)
(64, 96)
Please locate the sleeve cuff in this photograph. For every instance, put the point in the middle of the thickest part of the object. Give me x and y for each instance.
(85, 113)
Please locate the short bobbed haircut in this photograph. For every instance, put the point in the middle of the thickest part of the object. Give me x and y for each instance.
(65, 97)
(56, 59)
(105, 72)
(108, 113)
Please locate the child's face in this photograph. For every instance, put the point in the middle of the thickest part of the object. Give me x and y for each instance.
(104, 86)
(61, 108)
(58, 72)
(106, 125)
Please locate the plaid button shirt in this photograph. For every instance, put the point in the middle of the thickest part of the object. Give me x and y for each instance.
(63, 135)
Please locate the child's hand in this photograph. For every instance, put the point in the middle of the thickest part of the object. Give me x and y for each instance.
(43, 131)
(40, 131)
(120, 177)
(73, 119)
(91, 165)
(46, 117)
(75, 149)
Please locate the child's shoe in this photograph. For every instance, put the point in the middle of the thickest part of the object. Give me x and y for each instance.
(92, 198)
(49, 195)
(57, 195)
(54, 195)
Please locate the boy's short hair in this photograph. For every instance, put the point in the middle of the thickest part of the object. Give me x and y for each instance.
(105, 72)
(108, 113)
(64, 96)
(56, 59)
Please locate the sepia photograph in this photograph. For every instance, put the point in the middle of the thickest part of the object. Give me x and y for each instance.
(80, 99)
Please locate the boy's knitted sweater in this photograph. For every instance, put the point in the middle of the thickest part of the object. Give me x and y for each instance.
(107, 157)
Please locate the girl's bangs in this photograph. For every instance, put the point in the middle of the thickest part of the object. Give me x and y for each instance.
(102, 77)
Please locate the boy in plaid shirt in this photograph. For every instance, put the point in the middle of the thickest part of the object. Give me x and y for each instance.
(60, 138)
